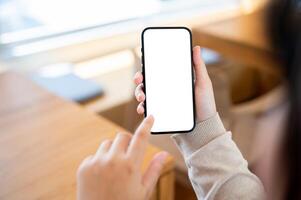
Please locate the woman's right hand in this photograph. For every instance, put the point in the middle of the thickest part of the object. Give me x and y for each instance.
(204, 97)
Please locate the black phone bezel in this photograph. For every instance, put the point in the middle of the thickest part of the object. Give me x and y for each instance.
(192, 77)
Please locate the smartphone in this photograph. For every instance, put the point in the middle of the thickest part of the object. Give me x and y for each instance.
(168, 78)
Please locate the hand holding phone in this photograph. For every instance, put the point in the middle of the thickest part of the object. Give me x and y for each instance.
(204, 97)
(168, 78)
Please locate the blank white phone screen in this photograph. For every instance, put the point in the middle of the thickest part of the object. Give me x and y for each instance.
(168, 79)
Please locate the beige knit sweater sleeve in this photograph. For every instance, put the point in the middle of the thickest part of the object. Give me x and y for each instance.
(216, 168)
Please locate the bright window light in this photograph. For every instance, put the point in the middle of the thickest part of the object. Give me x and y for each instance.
(22, 20)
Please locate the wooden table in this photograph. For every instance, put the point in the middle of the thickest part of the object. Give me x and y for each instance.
(118, 102)
(242, 39)
(43, 139)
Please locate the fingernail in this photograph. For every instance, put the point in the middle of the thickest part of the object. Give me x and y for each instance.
(139, 96)
(140, 110)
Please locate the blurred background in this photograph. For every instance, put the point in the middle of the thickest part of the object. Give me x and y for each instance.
(88, 52)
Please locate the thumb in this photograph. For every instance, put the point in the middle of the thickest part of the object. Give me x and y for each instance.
(199, 66)
(152, 173)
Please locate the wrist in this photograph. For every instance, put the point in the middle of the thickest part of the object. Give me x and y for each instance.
(203, 133)
(203, 116)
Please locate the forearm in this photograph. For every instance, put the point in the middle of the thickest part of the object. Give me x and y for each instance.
(216, 168)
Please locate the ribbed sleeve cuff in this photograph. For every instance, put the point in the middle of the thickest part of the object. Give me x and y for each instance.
(202, 134)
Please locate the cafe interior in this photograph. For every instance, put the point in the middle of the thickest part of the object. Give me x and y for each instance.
(66, 84)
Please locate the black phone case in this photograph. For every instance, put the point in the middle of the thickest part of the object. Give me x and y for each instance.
(192, 75)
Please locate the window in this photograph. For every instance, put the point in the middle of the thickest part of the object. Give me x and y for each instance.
(22, 20)
(28, 27)
(31, 19)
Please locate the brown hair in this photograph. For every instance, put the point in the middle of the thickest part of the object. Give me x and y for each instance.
(284, 25)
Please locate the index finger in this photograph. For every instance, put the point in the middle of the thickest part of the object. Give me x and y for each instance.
(139, 141)
(199, 65)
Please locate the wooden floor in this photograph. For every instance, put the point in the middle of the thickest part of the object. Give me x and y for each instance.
(184, 192)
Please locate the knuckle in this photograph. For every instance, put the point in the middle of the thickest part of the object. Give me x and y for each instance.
(119, 134)
(109, 162)
(106, 141)
(130, 168)
(100, 165)
(84, 166)
(127, 135)
(141, 135)
(124, 135)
